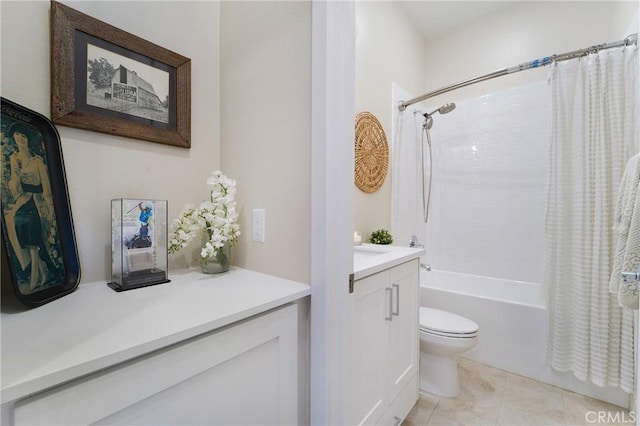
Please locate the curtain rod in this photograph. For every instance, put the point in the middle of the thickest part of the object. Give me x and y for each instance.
(632, 39)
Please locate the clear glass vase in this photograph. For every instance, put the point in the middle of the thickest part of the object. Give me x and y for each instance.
(218, 263)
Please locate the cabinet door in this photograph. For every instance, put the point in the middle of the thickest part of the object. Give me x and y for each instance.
(244, 374)
(367, 349)
(403, 335)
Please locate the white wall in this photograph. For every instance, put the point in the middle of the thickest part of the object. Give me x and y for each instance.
(519, 34)
(388, 49)
(489, 185)
(265, 144)
(626, 18)
(100, 167)
(265, 81)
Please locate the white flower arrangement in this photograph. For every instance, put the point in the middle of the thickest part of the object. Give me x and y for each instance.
(216, 219)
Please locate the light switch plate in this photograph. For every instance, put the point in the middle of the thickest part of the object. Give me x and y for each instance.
(258, 225)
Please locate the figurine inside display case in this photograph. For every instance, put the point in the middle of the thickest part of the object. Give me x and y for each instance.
(139, 243)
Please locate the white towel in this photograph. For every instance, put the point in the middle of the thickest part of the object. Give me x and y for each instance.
(627, 235)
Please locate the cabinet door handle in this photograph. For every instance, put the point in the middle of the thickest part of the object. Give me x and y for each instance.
(397, 312)
(390, 291)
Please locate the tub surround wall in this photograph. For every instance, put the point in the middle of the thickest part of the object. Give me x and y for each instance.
(489, 185)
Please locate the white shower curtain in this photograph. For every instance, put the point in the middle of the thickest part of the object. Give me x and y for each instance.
(594, 133)
(406, 183)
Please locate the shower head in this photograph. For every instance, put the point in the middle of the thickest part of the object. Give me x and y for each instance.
(447, 108)
(444, 109)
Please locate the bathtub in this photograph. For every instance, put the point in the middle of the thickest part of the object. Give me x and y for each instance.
(512, 320)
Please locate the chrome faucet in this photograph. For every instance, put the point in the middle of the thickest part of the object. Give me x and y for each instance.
(413, 242)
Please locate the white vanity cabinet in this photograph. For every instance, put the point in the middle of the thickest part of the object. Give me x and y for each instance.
(244, 374)
(228, 349)
(383, 346)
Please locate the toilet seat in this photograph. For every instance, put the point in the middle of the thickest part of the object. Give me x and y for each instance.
(446, 324)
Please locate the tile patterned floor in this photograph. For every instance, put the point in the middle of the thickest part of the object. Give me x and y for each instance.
(490, 396)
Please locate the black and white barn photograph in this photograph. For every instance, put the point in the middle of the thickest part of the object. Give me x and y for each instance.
(124, 85)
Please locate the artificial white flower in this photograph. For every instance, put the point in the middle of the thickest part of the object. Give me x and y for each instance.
(216, 217)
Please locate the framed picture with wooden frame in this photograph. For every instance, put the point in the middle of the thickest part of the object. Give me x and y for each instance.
(107, 80)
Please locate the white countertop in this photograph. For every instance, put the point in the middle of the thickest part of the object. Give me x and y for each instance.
(95, 327)
(371, 258)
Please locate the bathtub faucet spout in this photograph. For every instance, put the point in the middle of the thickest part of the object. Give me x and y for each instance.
(426, 267)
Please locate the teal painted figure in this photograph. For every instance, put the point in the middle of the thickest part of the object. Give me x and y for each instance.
(142, 239)
(28, 206)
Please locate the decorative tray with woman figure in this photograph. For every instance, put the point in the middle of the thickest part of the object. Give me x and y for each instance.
(37, 227)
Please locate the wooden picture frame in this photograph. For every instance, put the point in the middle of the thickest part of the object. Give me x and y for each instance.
(108, 80)
(37, 226)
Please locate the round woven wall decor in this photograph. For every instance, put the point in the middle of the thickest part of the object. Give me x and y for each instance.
(372, 153)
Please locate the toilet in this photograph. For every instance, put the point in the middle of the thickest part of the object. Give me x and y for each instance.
(443, 335)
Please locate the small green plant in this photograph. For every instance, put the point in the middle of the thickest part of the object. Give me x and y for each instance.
(381, 236)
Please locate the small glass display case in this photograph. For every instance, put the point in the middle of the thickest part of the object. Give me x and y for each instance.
(138, 243)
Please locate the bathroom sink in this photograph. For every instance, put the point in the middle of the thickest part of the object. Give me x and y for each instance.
(365, 253)
(368, 251)
(371, 258)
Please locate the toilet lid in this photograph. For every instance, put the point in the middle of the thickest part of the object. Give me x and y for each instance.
(445, 322)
